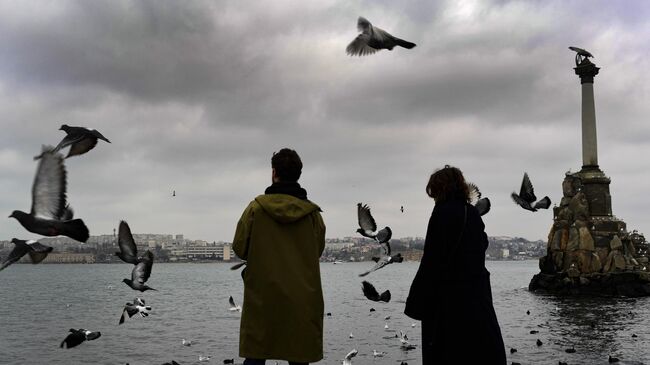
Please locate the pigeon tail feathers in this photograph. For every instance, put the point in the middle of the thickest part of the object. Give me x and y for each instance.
(403, 43)
(76, 229)
(385, 296)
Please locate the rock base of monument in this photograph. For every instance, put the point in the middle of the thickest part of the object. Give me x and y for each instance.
(625, 283)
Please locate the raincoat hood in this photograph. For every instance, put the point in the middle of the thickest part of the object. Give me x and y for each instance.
(284, 208)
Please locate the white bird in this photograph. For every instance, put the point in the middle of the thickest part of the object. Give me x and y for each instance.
(233, 307)
(386, 326)
(412, 325)
(351, 335)
(186, 342)
(376, 353)
(348, 358)
(373, 39)
(204, 358)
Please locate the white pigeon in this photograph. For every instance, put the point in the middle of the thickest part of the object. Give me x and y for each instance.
(233, 307)
(386, 326)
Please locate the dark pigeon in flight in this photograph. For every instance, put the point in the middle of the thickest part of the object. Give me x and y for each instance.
(483, 205)
(50, 214)
(37, 252)
(383, 261)
(128, 250)
(76, 337)
(368, 227)
(80, 139)
(526, 198)
(371, 293)
(141, 272)
(137, 307)
(373, 39)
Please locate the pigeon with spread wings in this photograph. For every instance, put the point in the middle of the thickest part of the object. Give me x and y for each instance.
(128, 250)
(80, 139)
(371, 293)
(481, 204)
(76, 337)
(137, 307)
(526, 198)
(368, 227)
(50, 214)
(373, 39)
(383, 261)
(37, 252)
(140, 273)
(233, 306)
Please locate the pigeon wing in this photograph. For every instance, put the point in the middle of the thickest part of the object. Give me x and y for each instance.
(20, 250)
(68, 213)
(93, 335)
(544, 203)
(82, 146)
(474, 193)
(527, 192)
(382, 262)
(70, 138)
(363, 25)
(127, 245)
(366, 221)
(369, 291)
(231, 301)
(142, 270)
(383, 236)
(381, 35)
(38, 252)
(359, 46)
(48, 190)
(483, 206)
(521, 202)
(98, 135)
(351, 354)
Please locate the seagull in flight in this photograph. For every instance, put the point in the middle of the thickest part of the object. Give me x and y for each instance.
(80, 139)
(233, 307)
(348, 358)
(373, 39)
(50, 214)
(527, 197)
(37, 252)
(76, 337)
(137, 307)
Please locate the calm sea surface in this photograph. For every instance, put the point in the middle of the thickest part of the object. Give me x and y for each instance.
(39, 303)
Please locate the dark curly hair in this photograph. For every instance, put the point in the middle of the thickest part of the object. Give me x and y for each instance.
(287, 165)
(446, 184)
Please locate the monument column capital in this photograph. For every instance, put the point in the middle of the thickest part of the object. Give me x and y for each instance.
(586, 70)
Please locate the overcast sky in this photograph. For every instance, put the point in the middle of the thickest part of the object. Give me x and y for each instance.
(195, 96)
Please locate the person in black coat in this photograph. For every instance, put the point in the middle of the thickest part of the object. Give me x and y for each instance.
(451, 292)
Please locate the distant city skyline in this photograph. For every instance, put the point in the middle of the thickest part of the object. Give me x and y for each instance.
(196, 96)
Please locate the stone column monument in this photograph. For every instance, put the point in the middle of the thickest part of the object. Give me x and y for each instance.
(589, 250)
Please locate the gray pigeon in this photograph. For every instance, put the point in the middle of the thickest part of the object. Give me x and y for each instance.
(373, 39)
(37, 252)
(347, 360)
(481, 204)
(140, 273)
(137, 307)
(76, 337)
(527, 197)
(368, 227)
(128, 250)
(383, 261)
(80, 139)
(371, 293)
(50, 214)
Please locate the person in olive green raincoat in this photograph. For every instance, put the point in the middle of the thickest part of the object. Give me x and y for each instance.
(281, 234)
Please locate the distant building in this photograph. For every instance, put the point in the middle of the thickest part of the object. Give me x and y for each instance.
(69, 258)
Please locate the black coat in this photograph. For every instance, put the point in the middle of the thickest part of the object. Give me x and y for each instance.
(451, 292)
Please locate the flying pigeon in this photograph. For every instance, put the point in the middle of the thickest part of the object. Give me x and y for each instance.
(134, 308)
(383, 261)
(37, 252)
(373, 39)
(527, 197)
(174, 193)
(140, 273)
(50, 214)
(233, 307)
(80, 139)
(371, 293)
(348, 358)
(128, 250)
(405, 344)
(483, 205)
(76, 337)
(368, 227)
(401, 209)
